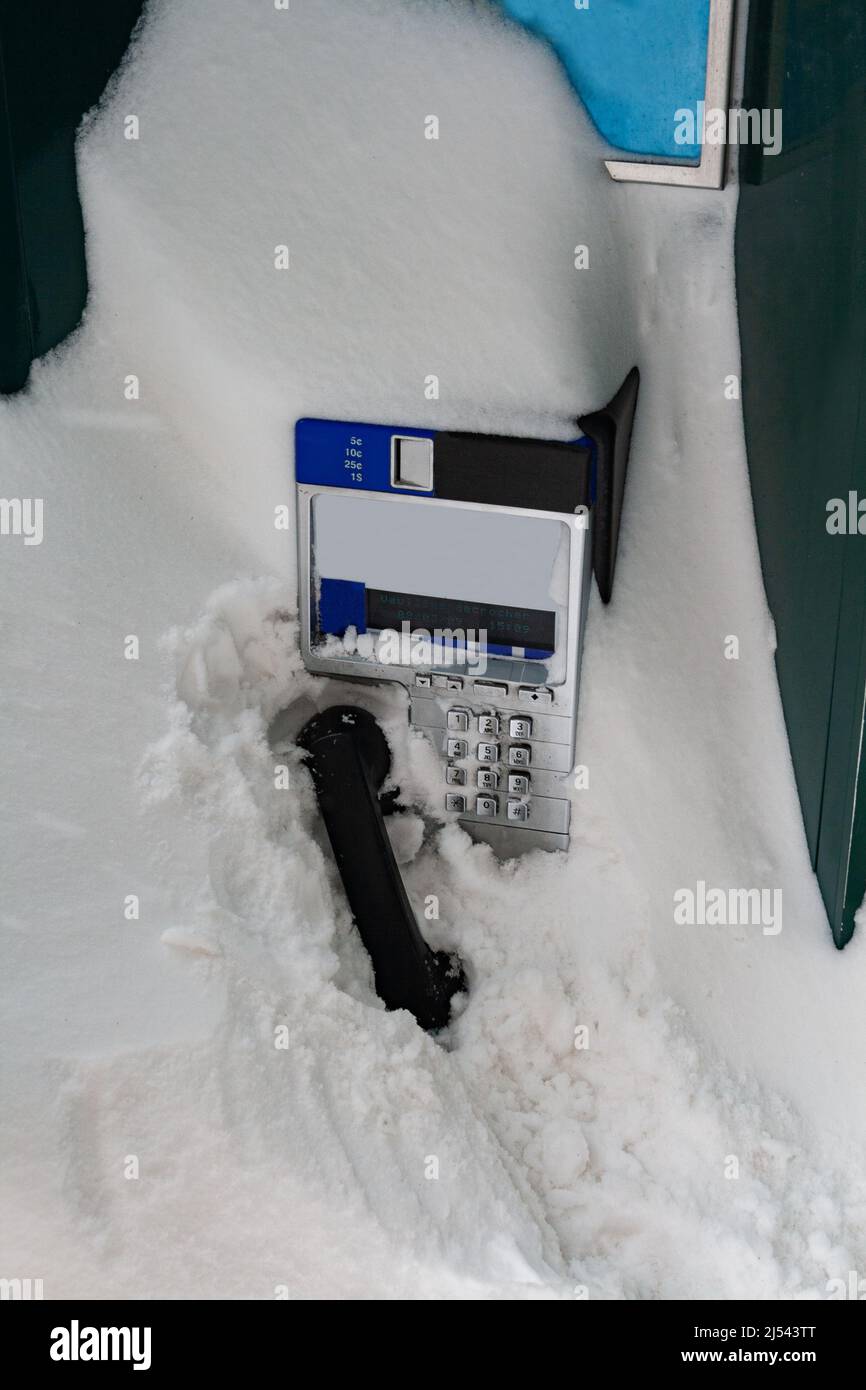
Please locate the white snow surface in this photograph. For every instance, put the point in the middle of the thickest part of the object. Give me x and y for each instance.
(305, 1170)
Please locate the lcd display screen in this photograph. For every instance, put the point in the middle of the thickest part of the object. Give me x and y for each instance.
(505, 626)
(380, 564)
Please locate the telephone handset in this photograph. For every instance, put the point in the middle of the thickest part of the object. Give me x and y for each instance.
(459, 566)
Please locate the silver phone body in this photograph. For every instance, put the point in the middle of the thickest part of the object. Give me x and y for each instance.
(504, 726)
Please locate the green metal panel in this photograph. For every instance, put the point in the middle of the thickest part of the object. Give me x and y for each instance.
(55, 59)
(801, 283)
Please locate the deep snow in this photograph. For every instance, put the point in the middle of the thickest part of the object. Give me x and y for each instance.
(303, 1169)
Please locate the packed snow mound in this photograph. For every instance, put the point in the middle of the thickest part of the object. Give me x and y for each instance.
(203, 1095)
(634, 1153)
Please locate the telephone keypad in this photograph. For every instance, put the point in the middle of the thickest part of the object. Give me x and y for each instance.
(499, 765)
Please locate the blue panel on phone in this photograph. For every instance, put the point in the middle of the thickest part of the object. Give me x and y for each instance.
(342, 604)
(340, 453)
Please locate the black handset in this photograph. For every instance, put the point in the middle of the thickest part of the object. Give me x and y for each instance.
(349, 759)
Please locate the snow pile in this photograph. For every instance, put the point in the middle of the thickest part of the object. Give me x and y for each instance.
(656, 1176)
(207, 1098)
